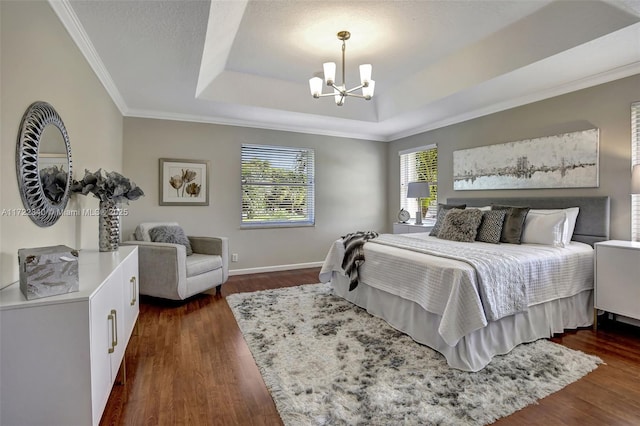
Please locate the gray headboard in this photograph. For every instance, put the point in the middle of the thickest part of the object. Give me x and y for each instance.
(592, 224)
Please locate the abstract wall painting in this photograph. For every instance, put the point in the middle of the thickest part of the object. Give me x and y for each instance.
(569, 160)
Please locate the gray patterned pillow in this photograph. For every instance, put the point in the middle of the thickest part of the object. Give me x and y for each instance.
(491, 226)
(513, 223)
(442, 211)
(461, 225)
(170, 234)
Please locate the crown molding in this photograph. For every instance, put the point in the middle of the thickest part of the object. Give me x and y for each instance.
(225, 121)
(572, 86)
(70, 21)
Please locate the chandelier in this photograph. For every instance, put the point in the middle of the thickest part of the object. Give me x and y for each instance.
(340, 92)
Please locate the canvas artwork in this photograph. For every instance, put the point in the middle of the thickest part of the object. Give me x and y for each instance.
(568, 160)
(184, 182)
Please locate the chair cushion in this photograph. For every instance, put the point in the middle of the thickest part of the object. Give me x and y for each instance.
(200, 263)
(170, 234)
(142, 231)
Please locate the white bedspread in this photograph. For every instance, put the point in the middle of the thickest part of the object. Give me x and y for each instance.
(449, 287)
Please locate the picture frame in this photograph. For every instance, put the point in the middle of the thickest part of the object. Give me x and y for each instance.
(567, 160)
(184, 182)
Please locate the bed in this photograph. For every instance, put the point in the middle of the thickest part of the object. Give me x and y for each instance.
(440, 300)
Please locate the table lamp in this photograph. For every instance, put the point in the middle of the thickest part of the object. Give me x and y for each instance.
(418, 190)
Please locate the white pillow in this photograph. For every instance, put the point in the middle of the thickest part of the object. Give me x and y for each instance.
(142, 230)
(544, 228)
(570, 224)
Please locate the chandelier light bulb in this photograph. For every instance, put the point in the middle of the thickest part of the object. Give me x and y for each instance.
(315, 85)
(365, 74)
(367, 90)
(329, 73)
(340, 92)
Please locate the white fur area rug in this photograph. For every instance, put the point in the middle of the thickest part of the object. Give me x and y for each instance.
(328, 362)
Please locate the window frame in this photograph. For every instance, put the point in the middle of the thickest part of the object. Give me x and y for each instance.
(269, 153)
(406, 176)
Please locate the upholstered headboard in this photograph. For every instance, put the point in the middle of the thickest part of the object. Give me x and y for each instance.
(592, 224)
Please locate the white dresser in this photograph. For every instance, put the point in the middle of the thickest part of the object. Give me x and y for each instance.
(59, 355)
(617, 273)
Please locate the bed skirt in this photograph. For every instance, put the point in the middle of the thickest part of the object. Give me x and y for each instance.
(475, 350)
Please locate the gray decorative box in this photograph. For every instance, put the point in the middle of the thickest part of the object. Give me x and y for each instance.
(48, 271)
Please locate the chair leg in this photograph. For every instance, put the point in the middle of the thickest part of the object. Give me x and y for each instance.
(218, 290)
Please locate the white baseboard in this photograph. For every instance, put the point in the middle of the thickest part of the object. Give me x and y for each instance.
(274, 268)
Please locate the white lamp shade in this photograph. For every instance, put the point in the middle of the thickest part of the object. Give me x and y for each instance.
(418, 190)
(635, 179)
(329, 72)
(365, 73)
(367, 92)
(315, 85)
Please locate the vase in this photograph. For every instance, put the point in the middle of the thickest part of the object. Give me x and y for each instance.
(108, 226)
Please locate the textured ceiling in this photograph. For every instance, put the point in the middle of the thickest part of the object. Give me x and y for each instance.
(434, 62)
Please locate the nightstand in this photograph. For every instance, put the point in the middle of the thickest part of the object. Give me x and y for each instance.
(617, 283)
(410, 228)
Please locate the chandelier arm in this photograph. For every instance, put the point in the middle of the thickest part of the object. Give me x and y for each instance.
(354, 89)
(355, 95)
(341, 91)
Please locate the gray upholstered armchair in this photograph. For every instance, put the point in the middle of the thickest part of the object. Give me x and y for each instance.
(166, 271)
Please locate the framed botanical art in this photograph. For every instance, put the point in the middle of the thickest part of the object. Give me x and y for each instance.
(184, 182)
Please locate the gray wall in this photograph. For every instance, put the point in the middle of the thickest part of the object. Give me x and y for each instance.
(357, 181)
(40, 62)
(351, 177)
(607, 107)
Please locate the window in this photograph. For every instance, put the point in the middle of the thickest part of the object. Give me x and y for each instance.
(419, 165)
(277, 186)
(635, 159)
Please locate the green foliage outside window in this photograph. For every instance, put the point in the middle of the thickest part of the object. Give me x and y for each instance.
(277, 190)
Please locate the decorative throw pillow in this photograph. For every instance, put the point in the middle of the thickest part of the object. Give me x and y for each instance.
(490, 228)
(460, 225)
(569, 224)
(542, 227)
(142, 231)
(170, 234)
(513, 223)
(442, 211)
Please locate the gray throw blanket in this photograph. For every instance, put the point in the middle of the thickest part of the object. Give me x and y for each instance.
(354, 254)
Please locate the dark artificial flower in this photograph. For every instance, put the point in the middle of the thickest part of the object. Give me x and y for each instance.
(111, 186)
(54, 182)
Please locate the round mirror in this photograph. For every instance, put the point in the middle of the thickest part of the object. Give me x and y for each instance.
(43, 164)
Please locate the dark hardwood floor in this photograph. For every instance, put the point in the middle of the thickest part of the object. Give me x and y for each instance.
(188, 364)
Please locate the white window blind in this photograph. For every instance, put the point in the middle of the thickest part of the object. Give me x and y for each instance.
(277, 186)
(419, 165)
(635, 159)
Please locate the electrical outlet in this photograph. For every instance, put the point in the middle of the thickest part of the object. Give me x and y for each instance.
(234, 257)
